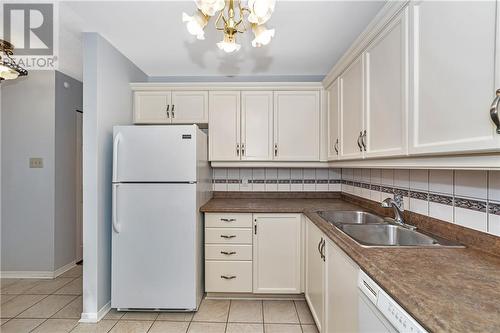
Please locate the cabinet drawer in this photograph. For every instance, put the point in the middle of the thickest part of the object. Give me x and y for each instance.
(228, 252)
(228, 236)
(228, 276)
(228, 220)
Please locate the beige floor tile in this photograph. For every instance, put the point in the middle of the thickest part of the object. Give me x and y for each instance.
(47, 307)
(71, 311)
(47, 287)
(305, 315)
(169, 327)
(212, 311)
(3, 321)
(282, 328)
(74, 272)
(138, 315)
(175, 316)
(280, 312)
(103, 326)
(197, 327)
(114, 314)
(20, 286)
(56, 326)
(72, 288)
(18, 304)
(6, 298)
(309, 329)
(244, 328)
(245, 312)
(20, 325)
(131, 326)
(5, 282)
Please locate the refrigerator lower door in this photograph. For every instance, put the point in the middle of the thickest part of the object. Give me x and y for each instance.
(154, 153)
(154, 239)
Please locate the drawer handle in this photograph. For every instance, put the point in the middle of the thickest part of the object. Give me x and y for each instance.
(226, 277)
(228, 220)
(228, 253)
(228, 236)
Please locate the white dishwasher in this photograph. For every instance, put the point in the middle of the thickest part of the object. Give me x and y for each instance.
(379, 313)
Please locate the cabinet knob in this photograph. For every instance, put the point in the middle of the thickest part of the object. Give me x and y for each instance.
(228, 236)
(173, 107)
(494, 111)
(227, 220)
(363, 140)
(275, 149)
(359, 140)
(228, 253)
(168, 111)
(228, 277)
(336, 146)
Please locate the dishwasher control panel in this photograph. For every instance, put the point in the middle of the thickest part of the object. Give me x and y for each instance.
(391, 310)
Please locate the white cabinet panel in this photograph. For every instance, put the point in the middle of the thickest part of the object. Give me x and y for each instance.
(341, 291)
(453, 79)
(150, 107)
(189, 107)
(314, 273)
(224, 126)
(256, 125)
(351, 110)
(386, 90)
(333, 120)
(277, 248)
(296, 125)
(228, 276)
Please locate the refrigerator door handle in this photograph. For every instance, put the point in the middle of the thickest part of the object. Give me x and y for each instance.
(116, 226)
(116, 142)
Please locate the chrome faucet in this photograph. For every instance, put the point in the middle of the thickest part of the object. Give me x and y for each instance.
(397, 205)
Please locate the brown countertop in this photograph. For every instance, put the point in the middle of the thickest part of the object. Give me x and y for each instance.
(445, 290)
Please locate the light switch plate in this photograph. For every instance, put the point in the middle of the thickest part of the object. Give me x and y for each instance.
(36, 162)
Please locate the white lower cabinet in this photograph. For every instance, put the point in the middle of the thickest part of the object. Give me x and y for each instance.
(315, 277)
(277, 249)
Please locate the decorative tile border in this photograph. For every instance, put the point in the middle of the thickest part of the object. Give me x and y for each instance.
(494, 208)
(479, 206)
(441, 199)
(419, 195)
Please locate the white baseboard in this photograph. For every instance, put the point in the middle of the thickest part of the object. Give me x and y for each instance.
(36, 274)
(64, 269)
(93, 317)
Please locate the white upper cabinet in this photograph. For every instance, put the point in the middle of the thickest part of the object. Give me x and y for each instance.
(256, 125)
(277, 253)
(189, 107)
(224, 126)
(453, 76)
(150, 107)
(333, 120)
(351, 110)
(296, 125)
(386, 61)
(170, 107)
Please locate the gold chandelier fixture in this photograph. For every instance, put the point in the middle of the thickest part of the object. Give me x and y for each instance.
(231, 19)
(9, 70)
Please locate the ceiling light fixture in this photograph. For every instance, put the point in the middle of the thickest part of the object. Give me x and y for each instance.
(9, 70)
(231, 20)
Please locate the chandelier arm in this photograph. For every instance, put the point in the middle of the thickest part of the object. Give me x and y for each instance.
(221, 15)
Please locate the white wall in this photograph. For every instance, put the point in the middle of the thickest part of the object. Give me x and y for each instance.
(107, 101)
(28, 194)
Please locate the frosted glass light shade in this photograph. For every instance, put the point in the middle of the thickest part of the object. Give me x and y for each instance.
(210, 7)
(260, 10)
(228, 44)
(195, 24)
(263, 35)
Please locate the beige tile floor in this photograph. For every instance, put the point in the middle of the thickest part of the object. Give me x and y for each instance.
(54, 306)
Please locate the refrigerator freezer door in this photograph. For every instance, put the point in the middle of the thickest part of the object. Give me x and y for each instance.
(154, 248)
(154, 153)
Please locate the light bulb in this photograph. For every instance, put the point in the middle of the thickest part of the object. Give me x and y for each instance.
(260, 10)
(195, 24)
(210, 7)
(228, 44)
(8, 73)
(262, 35)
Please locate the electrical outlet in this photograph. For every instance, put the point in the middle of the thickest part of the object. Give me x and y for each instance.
(36, 162)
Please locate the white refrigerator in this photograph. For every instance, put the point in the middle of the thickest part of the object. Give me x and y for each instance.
(161, 177)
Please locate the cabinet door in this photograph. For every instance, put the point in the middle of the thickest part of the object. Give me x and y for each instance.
(314, 273)
(351, 110)
(150, 107)
(296, 125)
(189, 107)
(333, 120)
(341, 291)
(224, 124)
(453, 79)
(256, 125)
(276, 249)
(386, 62)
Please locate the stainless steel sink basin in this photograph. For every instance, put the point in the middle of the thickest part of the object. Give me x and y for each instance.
(350, 217)
(387, 235)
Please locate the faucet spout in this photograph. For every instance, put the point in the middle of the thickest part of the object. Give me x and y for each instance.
(396, 205)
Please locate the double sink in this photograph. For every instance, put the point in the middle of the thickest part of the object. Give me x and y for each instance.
(370, 230)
